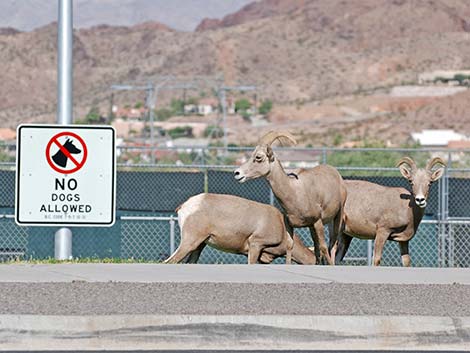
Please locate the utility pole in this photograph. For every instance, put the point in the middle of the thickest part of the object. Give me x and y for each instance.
(149, 88)
(223, 102)
(63, 236)
(111, 105)
(150, 102)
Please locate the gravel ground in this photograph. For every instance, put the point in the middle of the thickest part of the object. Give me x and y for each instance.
(85, 298)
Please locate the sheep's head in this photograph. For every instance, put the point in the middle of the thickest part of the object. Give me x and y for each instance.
(421, 179)
(261, 160)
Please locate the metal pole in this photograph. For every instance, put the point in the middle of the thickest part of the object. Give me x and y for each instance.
(172, 235)
(451, 262)
(271, 197)
(63, 244)
(370, 244)
(64, 65)
(450, 235)
(441, 227)
(63, 237)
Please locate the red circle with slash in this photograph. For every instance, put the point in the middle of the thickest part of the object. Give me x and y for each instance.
(77, 164)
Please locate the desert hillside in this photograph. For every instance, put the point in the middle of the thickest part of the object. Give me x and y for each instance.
(299, 53)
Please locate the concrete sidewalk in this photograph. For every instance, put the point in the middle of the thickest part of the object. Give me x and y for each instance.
(155, 273)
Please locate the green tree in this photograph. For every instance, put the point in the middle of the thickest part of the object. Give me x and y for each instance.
(337, 139)
(372, 158)
(242, 105)
(5, 157)
(163, 114)
(461, 78)
(213, 131)
(138, 105)
(181, 131)
(246, 116)
(192, 100)
(265, 107)
(93, 115)
(177, 106)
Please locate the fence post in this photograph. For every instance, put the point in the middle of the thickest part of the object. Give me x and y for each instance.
(271, 197)
(369, 252)
(440, 233)
(172, 235)
(206, 180)
(451, 262)
(324, 155)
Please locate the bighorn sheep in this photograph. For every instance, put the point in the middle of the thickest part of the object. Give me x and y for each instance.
(233, 224)
(379, 212)
(312, 197)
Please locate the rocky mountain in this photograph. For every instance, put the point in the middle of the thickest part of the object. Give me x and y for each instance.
(179, 14)
(251, 12)
(297, 52)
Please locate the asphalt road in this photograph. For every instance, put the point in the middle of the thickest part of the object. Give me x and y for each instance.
(84, 298)
(105, 289)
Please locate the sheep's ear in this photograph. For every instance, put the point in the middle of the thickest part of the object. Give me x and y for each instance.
(437, 174)
(270, 154)
(405, 172)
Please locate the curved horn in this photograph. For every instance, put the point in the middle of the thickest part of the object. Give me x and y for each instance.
(409, 161)
(434, 161)
(284, 138)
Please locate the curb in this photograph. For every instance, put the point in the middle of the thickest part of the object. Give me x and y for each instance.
(244, 332)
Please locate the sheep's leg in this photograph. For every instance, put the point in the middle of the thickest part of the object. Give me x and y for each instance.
(289, 242)
(177, 256)
(266, 258)
(320, 236)
(289, 255)
(380, 239)
(194, 256)
(254, 253)
(332, 246)
(183, 250)
(316, 246)
(343, 245)
(335, 231)
(405, 255)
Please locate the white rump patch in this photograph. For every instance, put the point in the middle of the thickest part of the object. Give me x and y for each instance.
(189, 207)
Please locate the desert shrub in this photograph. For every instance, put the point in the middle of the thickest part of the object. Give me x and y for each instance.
(265, 107)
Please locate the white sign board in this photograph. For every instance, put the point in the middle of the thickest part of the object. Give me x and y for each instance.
(65, 175)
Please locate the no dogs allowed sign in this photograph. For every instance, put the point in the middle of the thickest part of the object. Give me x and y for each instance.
(65, 175)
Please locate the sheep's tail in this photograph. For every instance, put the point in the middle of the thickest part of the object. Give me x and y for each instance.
(178, 208)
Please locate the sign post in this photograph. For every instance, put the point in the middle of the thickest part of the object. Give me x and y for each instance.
(63, 236)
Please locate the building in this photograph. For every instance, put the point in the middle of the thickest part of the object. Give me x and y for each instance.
(206, 106)
(7, 134)
(130, 113)
(437, 138)
(431, 77)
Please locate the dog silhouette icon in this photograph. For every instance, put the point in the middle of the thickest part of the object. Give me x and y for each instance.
(60, 158)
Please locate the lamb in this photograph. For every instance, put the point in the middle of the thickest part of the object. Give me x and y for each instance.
(233, 224)
(312, 197)
(379, 212)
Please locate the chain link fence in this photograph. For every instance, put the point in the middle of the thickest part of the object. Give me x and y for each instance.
(147, 195)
